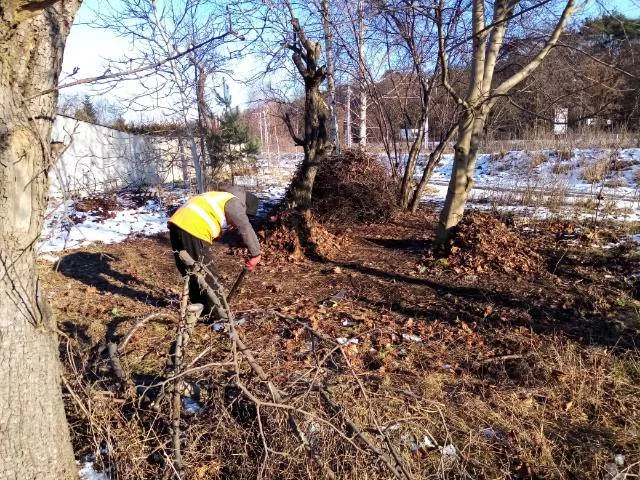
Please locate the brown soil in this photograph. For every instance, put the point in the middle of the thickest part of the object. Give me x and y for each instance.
(519, 350)
(101, 206)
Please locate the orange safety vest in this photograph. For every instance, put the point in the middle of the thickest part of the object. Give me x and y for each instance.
(203, 216)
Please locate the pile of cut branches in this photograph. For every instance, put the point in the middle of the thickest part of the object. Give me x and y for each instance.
(353, 186)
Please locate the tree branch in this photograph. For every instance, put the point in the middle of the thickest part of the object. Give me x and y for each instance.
(144, 68)
(597, 60)
(443, 60)
(296, 139)
(516, 78)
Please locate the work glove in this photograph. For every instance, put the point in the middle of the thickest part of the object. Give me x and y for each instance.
(252, 262)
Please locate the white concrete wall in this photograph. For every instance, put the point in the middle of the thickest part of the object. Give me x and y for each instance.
(99, 159)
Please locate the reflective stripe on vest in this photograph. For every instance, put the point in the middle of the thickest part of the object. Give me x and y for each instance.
(219, 213)
(213, 225)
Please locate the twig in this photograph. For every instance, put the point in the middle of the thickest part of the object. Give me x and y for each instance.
(116, 365)
(137, 326)
(220, 299)
(339, 410)
(502, 358)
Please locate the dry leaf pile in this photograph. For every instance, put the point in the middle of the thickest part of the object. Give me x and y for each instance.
(101, 207)
(291, 237)
(483, 244)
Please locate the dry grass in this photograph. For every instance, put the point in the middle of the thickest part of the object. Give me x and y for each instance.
(539, 158)
(616, 182)
(576, 138)
(516, 372)
(564, 154)
(562, 168)
(595, 172)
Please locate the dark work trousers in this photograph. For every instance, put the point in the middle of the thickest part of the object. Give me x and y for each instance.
(200, 252)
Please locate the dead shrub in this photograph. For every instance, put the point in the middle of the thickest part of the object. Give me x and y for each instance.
(617, 182)
(537, 160)
(618, 165)
(561, 168)
(353, 187)
(564, 154)
(595, 172)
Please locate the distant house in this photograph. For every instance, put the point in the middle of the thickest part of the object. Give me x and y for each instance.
(408, 133)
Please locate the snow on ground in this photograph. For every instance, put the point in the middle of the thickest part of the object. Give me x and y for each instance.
(546, 183)
(606, 181)
(61, 232)
(87, 472)
(66, 228)
(575, 169)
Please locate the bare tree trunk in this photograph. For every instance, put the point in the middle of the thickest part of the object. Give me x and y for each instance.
(184, 163)
(306, 55)
(432, 162)
(171, 52)
(362, 77)
(412, 160)
(461, 182)
(34, 438)
(331, 75)
(348, 135)
(203, 121)
(315, 146)
(480, 98)
(388, 136)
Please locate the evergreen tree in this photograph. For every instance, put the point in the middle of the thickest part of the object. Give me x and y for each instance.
(230, 144)
(87, 111)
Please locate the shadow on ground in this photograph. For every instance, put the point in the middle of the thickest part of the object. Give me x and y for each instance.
(96, 270)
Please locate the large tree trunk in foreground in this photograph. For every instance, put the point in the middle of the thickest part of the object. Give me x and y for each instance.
(34, 437)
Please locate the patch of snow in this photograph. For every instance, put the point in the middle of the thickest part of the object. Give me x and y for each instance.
(489, 433)
(191, 406)
(426, 444)
(503, 178)
(61, 233)
(345, 341)
(221, 326)
(411, 338)
(87, 472)
(449, 451)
